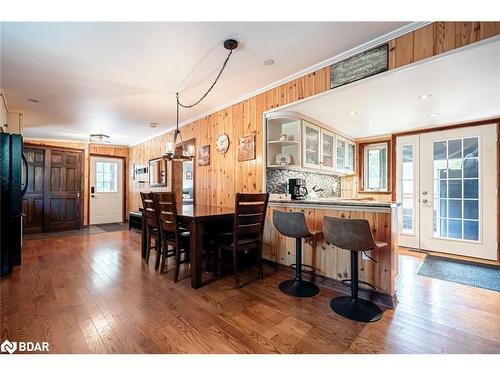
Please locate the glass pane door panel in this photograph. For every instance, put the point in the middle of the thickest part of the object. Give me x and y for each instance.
(456, 189)
(327, 149)
(350, 157)
(312, 145)
(407, 190)
(340, 155)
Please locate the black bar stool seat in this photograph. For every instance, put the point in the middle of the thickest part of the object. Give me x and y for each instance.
(293, 224)
(353, 235)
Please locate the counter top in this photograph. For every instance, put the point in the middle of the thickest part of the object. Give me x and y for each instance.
(334, 202)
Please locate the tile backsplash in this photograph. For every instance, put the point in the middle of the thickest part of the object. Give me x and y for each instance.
(277, 182)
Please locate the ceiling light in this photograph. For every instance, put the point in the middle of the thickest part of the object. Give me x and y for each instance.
(435, 114)
(424, 96)
(181, 153)
(153, 124)
(99, 138)
(268, 62)
(353, 113)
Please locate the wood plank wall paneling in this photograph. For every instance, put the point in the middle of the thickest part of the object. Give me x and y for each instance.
(217, 183)
(87, 150)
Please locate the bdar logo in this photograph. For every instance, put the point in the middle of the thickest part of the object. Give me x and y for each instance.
(9, 347)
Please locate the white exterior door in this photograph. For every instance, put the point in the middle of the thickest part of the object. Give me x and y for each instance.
(447, 184)
(106, 190)
(408, 190)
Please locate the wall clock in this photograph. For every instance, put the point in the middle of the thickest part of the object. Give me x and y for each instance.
(222, 143)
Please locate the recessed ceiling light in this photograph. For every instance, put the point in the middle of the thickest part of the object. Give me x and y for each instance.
(353, 113)
(268, 62)
(435, 114)
(424, 96)
(32, 100)
(153, 124)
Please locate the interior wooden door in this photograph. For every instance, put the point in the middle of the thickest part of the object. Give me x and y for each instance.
(62, 190)
(34, 196)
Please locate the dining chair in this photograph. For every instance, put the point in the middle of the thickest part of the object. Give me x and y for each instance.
(151, 226)
(171, 234)
(248, 227)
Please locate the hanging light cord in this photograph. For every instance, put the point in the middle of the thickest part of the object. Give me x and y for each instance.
(208, 91)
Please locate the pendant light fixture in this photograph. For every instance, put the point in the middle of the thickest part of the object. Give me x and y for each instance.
(188, 154)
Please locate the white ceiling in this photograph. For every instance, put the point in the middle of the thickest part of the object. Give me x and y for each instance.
(465, 86)
(115, 78)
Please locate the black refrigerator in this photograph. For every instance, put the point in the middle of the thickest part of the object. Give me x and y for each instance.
(13, 168)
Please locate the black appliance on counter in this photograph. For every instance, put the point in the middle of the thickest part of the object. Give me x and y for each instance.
(12, 191)
(297, 188)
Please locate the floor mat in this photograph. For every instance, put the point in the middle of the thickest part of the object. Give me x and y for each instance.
(114, 227)
(478, 275)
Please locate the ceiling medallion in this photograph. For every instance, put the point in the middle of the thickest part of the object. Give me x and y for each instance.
(188, 154)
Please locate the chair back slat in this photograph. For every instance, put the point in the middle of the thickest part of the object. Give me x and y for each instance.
(348, 234)
(151, 219)
(250, 215)
(167, 211)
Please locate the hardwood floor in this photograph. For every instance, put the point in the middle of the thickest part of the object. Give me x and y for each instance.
(92, 293)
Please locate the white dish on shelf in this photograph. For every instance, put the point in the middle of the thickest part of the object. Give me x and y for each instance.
(283, 159)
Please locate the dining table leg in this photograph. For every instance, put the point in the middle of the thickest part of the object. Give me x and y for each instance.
(196, 252)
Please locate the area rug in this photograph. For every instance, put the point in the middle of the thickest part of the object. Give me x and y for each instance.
(473, 274)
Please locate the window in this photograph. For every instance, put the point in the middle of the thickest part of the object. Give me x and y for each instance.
(106, 177)
(456, 189)
(407, 189)
(375, 167)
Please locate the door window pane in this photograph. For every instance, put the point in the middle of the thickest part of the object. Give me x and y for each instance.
(456, 189)
(471, 230)
(328, 150)
(340, 155)
(471, 188)
(407, 189)
(312, 146)
(106, 177)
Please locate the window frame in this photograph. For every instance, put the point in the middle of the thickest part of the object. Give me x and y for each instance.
(363, 166)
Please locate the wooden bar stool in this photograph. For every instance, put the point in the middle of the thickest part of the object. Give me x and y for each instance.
(354, 235)
(293, 224)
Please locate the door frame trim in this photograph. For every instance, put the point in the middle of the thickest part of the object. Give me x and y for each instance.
(492, 121)
(125, 179)
(81, 151)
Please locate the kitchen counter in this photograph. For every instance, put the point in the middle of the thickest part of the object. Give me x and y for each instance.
(330, 262)
(340, 203)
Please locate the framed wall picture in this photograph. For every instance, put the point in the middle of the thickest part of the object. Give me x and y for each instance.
(246, 148)
(204, 155)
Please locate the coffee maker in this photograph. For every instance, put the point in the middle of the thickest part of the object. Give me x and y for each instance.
(297, 188)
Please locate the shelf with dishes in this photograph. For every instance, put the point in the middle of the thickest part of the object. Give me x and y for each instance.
(297, 142)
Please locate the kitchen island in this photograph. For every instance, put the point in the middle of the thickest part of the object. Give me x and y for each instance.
(330, 264)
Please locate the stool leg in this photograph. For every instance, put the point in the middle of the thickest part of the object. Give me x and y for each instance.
(298, 259)
(353, 307)
(298, 287)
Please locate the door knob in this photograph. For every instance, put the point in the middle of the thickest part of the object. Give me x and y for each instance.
(425, 201)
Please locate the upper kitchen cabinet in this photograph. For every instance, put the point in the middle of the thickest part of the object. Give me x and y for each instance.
(346, 151)
(297, 142)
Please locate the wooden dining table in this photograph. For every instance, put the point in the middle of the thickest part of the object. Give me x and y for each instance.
(195, 218)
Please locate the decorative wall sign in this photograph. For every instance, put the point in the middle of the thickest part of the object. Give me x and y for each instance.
(362, 65)
(204, 155)
(246, 148)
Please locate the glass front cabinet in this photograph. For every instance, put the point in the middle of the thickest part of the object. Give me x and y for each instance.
(297, 143)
